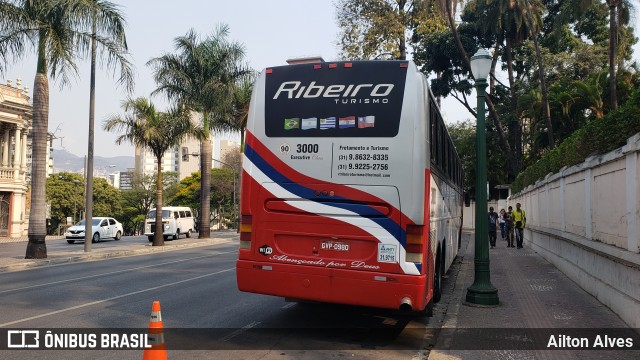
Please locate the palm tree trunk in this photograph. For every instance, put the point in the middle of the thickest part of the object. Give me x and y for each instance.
(88, 228)
(613, 31)
(402, 44)
(37, 248)
(543, 85)
(158, 236)
(205, 183)
(515, 130)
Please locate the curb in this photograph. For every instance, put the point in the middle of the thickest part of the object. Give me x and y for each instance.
(94, 256)
(450, 321)
(7, 240)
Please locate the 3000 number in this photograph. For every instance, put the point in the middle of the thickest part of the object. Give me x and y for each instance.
(307, 148)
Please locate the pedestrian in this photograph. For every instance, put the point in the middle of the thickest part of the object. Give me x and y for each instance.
(501, 222)
(519, 221)
(493, 224)
(508, 224)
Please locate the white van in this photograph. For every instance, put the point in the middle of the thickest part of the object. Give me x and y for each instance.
(176, 219)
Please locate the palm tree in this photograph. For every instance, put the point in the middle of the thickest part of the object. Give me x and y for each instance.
(447, 9)
(104, 25)
(533, 29)
(619, 13)
(241, 102)
(49, 27)
(156, 131)
(201, 77)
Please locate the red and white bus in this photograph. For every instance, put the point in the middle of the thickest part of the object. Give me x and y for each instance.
(351, 187)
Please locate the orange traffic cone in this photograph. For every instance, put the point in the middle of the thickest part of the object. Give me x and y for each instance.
(158, 349)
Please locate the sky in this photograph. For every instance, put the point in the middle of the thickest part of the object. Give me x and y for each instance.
(271, 31)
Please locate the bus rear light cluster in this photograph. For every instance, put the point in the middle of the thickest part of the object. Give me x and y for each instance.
(415, 243)
(245, 231)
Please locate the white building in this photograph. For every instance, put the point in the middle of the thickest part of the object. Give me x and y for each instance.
(15, 120)
(183, 159)
(225, 147)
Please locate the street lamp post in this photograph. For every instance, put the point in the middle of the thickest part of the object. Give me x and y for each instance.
(481, 292)
(75, 195)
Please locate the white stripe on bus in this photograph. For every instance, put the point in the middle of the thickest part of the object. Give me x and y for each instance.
(313, 207)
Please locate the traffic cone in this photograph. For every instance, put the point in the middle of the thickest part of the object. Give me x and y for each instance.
(158, 349)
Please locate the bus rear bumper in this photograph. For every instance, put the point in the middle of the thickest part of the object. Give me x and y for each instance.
(342, 286)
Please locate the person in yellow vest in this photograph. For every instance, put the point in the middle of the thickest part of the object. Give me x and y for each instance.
(519, 221)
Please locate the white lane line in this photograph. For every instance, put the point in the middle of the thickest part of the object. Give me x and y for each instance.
(289, 305)
(240, 331)
(112, 298)
(111, 273)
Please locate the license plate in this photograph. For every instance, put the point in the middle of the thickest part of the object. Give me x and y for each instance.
(334, 246)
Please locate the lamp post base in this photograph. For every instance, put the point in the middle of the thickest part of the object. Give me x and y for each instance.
(482, 295)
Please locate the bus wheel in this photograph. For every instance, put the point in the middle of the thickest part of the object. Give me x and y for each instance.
(428, 310)
(437, 280)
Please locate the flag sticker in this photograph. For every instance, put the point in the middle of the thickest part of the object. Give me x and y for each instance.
(309, 123)
(366, 121)
(328, 123)
(347, 122)
(293, 123)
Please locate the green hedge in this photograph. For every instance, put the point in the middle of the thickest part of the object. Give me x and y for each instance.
(597, 137)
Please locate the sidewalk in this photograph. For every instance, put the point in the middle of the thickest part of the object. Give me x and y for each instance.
(538, 305)
(57, 256)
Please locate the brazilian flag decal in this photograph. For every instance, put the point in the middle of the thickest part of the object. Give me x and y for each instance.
(293, 123)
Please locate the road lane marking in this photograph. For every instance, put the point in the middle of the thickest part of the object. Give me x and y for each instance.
(111, 273)
(112, 298)
(240, 331)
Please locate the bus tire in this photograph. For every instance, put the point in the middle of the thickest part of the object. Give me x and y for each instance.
(437, 279)
(428, 310)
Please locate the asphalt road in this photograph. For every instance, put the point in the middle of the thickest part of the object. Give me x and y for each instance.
(200, 303)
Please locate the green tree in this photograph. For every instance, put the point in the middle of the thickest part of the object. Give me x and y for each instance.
(64, 193)
(106, 199)
(445, 54)
(102, 26)
(49, 26)
(201, 77)
(619, 31)
(374, 29)
(154, 130)
(137, 202)
(188, 193)
(131, 217)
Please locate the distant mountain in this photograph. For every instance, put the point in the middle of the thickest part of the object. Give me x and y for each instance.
(66, 161)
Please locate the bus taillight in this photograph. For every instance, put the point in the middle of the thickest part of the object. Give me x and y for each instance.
(415, 243)
(245, 231)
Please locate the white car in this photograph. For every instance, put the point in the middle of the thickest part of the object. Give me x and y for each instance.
(103, 227)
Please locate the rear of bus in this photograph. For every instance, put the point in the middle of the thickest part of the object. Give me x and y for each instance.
(333, 205)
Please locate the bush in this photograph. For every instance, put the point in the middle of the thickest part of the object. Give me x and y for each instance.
(597, 137)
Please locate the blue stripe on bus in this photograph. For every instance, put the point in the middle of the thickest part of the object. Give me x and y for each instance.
(305, 193)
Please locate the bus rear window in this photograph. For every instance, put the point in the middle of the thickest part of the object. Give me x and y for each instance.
(364, 100)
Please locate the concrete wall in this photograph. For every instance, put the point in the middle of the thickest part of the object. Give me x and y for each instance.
(585, 220)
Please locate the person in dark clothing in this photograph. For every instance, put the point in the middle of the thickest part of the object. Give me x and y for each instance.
(508, 225)
(493, 227)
